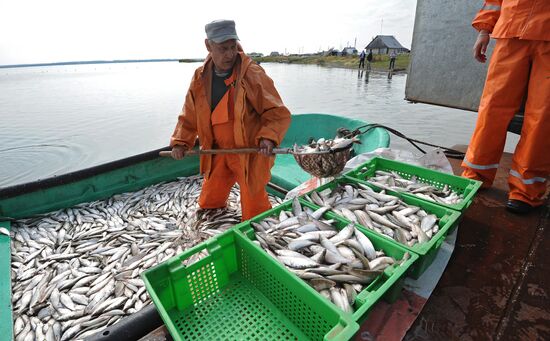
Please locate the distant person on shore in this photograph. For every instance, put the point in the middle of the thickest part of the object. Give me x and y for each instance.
(369, 60)
(393, 55)
(362, 59)
(519, 69)
(231, 103)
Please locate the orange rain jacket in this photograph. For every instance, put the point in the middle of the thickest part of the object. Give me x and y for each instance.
(523, 19)
(259, 113)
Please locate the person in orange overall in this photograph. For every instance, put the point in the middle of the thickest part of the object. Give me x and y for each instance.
(231, 103)
(519, 69)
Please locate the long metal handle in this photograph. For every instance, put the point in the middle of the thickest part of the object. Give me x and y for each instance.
(167, 153)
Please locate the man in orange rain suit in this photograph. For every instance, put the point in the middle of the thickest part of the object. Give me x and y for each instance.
(519, 68)
(231, 103)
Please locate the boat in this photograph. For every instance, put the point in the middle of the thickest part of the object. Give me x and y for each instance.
(146, 169)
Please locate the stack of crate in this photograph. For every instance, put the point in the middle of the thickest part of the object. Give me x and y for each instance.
(239, 291)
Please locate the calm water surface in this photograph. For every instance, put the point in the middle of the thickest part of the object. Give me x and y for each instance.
(59, 119)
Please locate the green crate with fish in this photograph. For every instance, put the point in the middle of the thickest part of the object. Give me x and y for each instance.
(227, 288)
(416, 225)
(334, 257)
(444, 189)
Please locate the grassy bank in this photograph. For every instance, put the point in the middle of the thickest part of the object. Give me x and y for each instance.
(380, 62)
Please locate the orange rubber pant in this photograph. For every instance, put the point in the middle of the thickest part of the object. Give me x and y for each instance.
(518, 69)
(226, 170)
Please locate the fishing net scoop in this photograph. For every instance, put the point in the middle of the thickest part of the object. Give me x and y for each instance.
(321, 164)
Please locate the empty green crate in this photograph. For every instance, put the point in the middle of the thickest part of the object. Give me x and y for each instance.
(388, 285)
(467, 187)
(448, 220)
(238, 292)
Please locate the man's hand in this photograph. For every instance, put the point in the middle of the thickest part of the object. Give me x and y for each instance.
(266, 147)
(480, 47)
(178, 152)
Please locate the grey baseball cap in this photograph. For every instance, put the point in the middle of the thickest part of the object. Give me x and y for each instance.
(221, 30)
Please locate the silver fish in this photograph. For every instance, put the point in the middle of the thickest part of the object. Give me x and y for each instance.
(394, 181)
(328, 258)
(76, 270)
(4, 231)
(298, 262)
(380, 212)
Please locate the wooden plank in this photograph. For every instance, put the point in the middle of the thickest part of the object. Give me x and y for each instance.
(159, 334)
(528, 315)
(484, 283)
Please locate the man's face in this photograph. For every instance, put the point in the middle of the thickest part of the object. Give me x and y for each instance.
(223, 54)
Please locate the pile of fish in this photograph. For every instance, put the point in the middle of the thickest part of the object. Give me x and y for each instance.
(336, 263)
(324, 158)
(325, 145)
(393, 181)
(76, 271)
(381, 212)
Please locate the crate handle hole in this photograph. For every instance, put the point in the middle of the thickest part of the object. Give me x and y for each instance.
(195, 258)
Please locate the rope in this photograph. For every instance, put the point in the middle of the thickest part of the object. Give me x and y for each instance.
(449, 152)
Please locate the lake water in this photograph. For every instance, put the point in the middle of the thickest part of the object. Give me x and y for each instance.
(59, 119)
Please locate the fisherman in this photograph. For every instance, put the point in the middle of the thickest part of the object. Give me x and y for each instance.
(231, 103)
(393, 55)
(369, 60)
(362, 59)
(519, 68)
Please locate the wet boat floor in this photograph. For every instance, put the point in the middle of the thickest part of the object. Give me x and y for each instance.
(497, 283)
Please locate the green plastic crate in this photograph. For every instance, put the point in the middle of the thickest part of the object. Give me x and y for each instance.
(448, 220)
(238, 292)
(467, 187)
(388, 286)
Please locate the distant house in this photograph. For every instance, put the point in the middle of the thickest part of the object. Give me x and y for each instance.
(255, 55)
(274, 54)
(331, 52)
(349, 51)
(385, 45)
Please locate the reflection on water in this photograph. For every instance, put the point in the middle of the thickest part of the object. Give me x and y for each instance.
(59, 119)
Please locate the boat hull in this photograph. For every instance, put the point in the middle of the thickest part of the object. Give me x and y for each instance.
(143, 170)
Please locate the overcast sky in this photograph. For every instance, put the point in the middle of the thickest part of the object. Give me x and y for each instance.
(38, 31)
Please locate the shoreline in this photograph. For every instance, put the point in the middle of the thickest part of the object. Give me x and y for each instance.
(380, 63)
(87, 62)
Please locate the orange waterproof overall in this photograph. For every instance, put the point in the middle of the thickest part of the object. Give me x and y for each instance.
(519, 68)
(226, 168)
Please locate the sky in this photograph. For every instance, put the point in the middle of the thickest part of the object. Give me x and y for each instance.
(55, 31)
